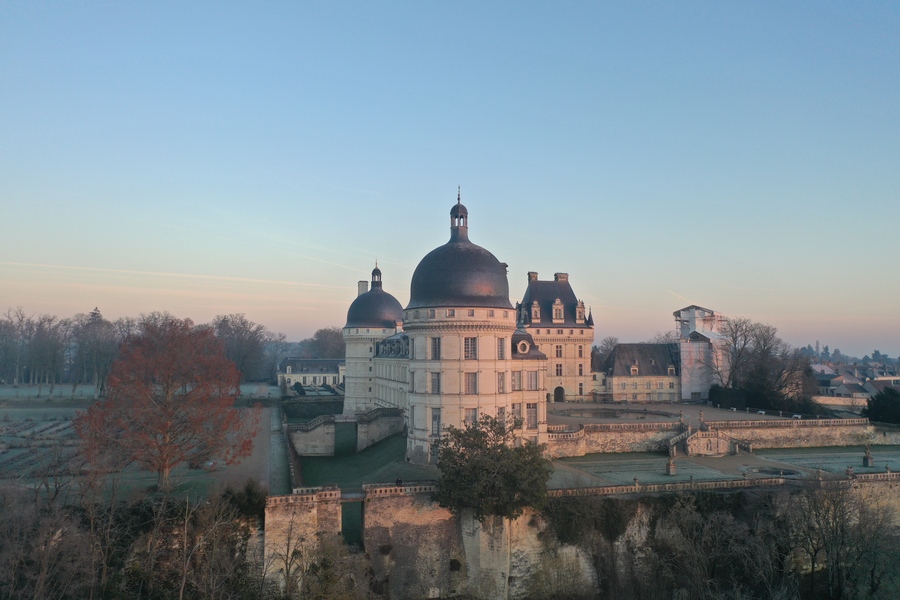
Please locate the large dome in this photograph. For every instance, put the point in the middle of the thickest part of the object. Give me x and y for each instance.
(459, 273)
(375, 308)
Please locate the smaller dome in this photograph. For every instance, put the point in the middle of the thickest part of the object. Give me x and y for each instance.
(375, 308)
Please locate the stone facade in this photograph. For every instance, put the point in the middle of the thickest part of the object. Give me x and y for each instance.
(611, 438)
(563, 331)
(643, 373)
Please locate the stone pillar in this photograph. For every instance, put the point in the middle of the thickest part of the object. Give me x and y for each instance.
(671, 469)
(868, 459)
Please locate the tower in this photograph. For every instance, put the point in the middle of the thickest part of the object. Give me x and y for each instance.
(373, 316)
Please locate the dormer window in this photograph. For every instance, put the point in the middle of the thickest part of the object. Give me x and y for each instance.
(535, 311)
(289, 370)
(634, 369)
(557, 311)
(671, 370)
(579, 311)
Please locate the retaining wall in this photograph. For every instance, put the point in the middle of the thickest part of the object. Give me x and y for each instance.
(611, 437)
(796, 433)
(376, 425)
(315, 438)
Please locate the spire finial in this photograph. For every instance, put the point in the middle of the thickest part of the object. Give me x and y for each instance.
(458, 194)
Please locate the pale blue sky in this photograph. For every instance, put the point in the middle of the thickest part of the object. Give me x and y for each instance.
(205, 158)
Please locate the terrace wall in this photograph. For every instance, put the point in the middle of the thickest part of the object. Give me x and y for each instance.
(796, 433)
(610, 437)
(376, 425)
(315, 438)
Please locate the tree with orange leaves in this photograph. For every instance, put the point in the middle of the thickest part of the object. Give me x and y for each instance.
(170, 401)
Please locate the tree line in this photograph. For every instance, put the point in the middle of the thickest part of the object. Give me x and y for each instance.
(46, 351)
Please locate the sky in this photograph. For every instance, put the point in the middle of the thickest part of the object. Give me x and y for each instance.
(209, 158)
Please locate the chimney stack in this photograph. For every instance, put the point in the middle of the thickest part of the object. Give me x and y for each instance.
(363, 287)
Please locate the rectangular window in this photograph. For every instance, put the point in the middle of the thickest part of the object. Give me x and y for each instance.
(501, 383)
(435, 383)
(436, 348)
(558, 331)
(501, 348)
(451, 312)
(580, 351)
(517, 381)
(435, 421)
(581, 389)
(623, 386)
(517, 410)
(532, 381)
(671, 385)
(471, 348)
(531, 415)
(501, 414)
(471, 312)
(412, 416)
(559, 352)
(471, 383)
(470, 416)
(647, 385)
(412, 382)
(648, 397)
(430, 313)
(659, 385)
(559, 369)
(490, 313)
(580, 369)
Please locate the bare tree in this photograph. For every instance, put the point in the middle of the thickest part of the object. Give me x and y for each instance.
(245, 344)
(847, 534)
(600, 352)
(664, 337)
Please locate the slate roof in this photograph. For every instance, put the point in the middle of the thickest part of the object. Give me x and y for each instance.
(311, 366)
(394, 346)
(652, 360)
(546, 293)
(533, 353)
(459, 273)
(375, 308)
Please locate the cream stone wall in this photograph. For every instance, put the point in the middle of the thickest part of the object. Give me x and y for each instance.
(796, 433)
(610, 438)
(644, 388)
(293, 524)
(359, 370)
(420, 550)
(492, 328)
(575, 344)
